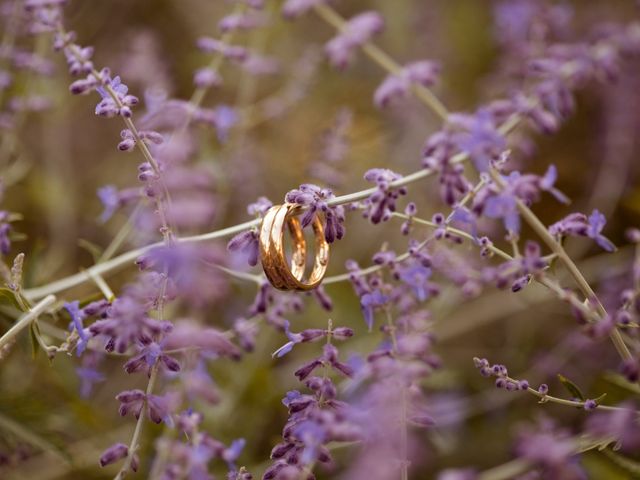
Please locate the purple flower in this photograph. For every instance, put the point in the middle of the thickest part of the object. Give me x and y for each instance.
(108, 195)
(314, 419)
(504, 206)
(356, 33)
(112, 199)
(295, 8)
(246, 332)
(458, 474)
(312, 436)
(596, 223)
(578, 224)
(621, 425)
(231, 454)
(417, 277)
(149, 354)
(381, 204)
(480, 138)
(310, 335)
(465, 216)
(329, 357)
(225, 119)
(293, 339)
(5, 231)
(248, 244)
(110, 107)
(206, 78)
(131, 401)
(126, 323)
(115, 452)
(88, 376)
(242, 21)
(548, 180)
(79, 60)
(316, 199)
(211, 45)
(502, 203)
(77, 316)
(260, 65)
(259, 207)
(399, 85)
(88, 373)
(438, 152)
(369, 302)
(199, 385)
(190, 269)
(209, 340)
(157, 407)
(518, 272)
(553, 449)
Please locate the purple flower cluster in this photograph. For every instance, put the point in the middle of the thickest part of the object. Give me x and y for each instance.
(551, 449)
(211, 45)
(315, 198)
(311, 335)
(295, 8)
(501, 203)
(399, 85)
(438, 153)
(359, 30)
(578, 224)
(242, 21)
(160, 324)
(155, 407)
(315, 419)
(381, 204)
(5, 232)
(517, 273)
(247, 242)
(501, 374)
(190, 457)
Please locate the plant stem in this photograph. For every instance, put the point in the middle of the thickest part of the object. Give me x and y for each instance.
(541, 230)
(426, 96)
(135, 439)
(333, 18)
(568, 403)
(26, 320)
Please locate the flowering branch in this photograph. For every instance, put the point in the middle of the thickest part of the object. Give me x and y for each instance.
(333, 18)
(557, 248)
(135, 439)
(427, 97)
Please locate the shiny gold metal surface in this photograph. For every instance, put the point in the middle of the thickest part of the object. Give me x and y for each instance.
(282, 274)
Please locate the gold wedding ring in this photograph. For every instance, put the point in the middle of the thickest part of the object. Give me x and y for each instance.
(279, 272)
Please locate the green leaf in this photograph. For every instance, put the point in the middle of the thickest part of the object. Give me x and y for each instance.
(573, 389)
(35, 345)
(8, 297)
(599, 399)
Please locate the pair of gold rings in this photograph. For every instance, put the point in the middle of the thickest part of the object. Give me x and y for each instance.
(282, 274)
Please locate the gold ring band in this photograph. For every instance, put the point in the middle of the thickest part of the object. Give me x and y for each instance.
(272, 252)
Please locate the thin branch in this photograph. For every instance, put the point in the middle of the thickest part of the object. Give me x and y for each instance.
(135, 439)
(26, 320)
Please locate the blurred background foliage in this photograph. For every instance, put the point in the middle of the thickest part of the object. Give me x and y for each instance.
(66, 153)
